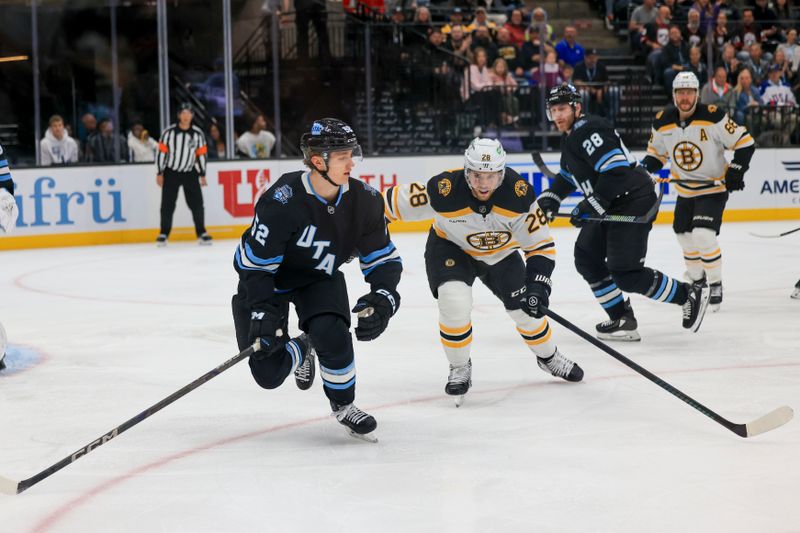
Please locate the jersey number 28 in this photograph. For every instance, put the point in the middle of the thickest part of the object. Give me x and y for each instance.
(592, 143)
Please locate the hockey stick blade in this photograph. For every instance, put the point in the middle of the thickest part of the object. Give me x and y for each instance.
(769, 421)
(784, 234)
(8, 486)
(539, 162)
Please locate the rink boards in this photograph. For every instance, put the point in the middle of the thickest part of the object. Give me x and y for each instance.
(86, 205)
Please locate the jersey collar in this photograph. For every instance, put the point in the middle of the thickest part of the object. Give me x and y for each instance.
(310, 189)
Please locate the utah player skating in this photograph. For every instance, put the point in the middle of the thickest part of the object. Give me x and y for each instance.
(8, 217)
(306, 225)
(610, 256)
(694, 137)
(482, 215)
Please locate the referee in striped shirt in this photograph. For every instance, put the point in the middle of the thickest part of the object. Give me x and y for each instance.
(182, 162)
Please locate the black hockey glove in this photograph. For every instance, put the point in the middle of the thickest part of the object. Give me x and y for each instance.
(383, 304)
(590, 207)
(734, 177)
(549, 202)
(265, 326)
(536, 296)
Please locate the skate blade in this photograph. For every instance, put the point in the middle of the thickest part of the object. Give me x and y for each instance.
(703, 306)
(161, 244)
(795, 295)
(459, 400)
(627, 336)
(367, 437)
(714, 308)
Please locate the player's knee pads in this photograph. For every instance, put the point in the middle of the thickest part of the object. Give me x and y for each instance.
(686, 240)
(455, 303)
(588, 266)
(705, 239)
(637, 281)
(270, 372)
(331, 338)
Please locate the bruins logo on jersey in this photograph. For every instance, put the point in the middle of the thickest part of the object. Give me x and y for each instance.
(520, 188)
(445, 186)
(489, 240)
(687, 155)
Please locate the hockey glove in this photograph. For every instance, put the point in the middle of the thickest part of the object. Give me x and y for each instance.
(265, 326)
(383, 304)
(549, 202)
(8, 211)
(734, 177)
(537, 296)
(590, 207)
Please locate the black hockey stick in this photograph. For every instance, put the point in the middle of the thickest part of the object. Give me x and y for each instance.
(785, 233)
(630, 219)
(768, 422)
(8, 486)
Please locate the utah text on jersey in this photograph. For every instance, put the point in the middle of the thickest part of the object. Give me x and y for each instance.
(697, 149)
(489, 231)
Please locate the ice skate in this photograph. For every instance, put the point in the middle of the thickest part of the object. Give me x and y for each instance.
(205, 239)
(304, 374)
(621, 329)
(358, 423)
(161, 240)
(459, 381)
(560, 367)
(796, 293)
(695, 307)
(715, 299)
(2, 361)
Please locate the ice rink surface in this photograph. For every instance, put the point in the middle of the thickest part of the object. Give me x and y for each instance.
(98, 334)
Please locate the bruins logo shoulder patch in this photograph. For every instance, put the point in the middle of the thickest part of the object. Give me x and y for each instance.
(521, 188)
(712, 109)
(659, 114)
(445, 186)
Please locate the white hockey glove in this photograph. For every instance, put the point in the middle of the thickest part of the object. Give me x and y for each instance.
(8, 211)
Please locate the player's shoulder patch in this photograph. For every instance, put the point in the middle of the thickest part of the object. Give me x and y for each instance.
(283, 193)
(659, 114)
(444, 183)
(514, 194)
(448, 191)
(711, 113)
(666, 118)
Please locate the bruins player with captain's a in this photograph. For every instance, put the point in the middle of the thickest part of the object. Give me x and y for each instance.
(694, 137)
(482, 215)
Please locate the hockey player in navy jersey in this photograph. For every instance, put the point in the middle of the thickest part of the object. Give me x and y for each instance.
(8, 217)
(306, 225)
(611, 256)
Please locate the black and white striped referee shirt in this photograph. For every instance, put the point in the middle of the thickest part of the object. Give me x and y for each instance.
(182, 150)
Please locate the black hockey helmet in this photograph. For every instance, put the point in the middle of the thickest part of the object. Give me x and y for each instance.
(328, 135)
(562, 94)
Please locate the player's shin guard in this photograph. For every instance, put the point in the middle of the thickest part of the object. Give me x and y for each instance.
(710, 254)
(609, 296)
(691, 256)
(333, 344)
(535, 332)
(455, 327)
(663, 288)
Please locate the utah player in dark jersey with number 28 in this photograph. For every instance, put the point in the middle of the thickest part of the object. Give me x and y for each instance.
(305, 226)
(610, 256)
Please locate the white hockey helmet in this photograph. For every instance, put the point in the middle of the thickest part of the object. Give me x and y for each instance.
(484, 157)
(686, 80)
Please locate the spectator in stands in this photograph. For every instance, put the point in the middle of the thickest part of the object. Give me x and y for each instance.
(774, 87)
(673, 57)
(749, 31)
(767, 18)
(215, 142)
(257, 142)
(530, 50)
(101, 147)
(509, 104)
(780, 103)
(551, 76)
(481, 19)
(420, 29)
(641, 16)
(456, 19)
(696, 65)
(693, 33)
(791, 50)
(478, 75)
(779, 59)
(677, 10)
(569, 73)
(89, 123)
(57, 147)
(458, 43)
(590, 79)
(310, 12)
(655, 37)
(516, 27)
(721, 34)
(482, 39)
(716, 91)
(708, 13)
(757, 65)
(731, 13)
(785, 15)
(568, 50)
(744, 98)
(539, 19)
(510, 52)
(143, 147)
(731, 63)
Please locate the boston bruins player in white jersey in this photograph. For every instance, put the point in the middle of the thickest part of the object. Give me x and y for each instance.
(482, 214)
(694, 137)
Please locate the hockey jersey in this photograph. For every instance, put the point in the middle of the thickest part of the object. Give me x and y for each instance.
(488, 231)
(696, 147)
(5, 173)
(595, 160)
(297, 237)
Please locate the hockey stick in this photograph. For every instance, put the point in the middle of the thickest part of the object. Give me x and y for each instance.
(768, 422)
(631, 219)
(8, 486)
(785, 233)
